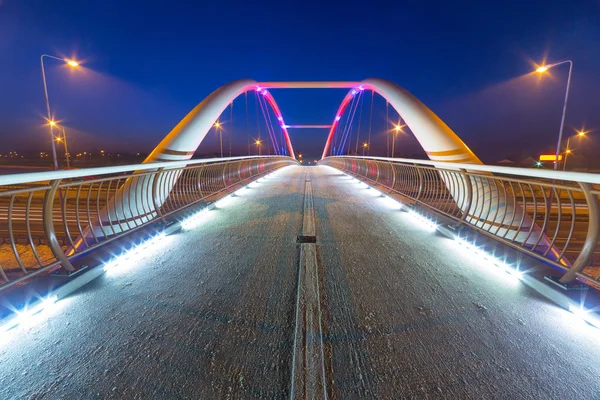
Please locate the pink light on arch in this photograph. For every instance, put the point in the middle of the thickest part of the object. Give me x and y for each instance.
(279, 116)
(338, 116)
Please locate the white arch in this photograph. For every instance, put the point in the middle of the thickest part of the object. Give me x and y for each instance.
(186, 136)
(437, 139)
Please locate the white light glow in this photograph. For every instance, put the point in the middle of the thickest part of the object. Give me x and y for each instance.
(488, 259)
(360, 185)
(197, 219)
(255, 184)
(124, 261)
(390, 203)
(426, 223)
(32, 315)
(225, 201)
(243, 191)
(585, 315)
(372, 192)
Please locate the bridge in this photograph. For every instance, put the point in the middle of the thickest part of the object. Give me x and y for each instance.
(261, 277)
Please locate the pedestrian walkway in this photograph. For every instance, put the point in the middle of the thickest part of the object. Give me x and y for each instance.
(211, 312)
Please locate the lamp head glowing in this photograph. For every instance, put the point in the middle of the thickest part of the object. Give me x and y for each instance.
(542, 69)
(365, 144)
(52, 123)
(72, 63)
(581, 133)
(257, 142)
(397, 128)
(217, 124)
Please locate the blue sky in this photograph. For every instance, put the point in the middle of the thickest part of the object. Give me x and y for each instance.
(148, 63)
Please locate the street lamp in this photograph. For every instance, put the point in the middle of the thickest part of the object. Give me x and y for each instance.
(63, 139)
(543, 68)
(71, 63)
(397, 128)
(579, 134)
(67, 154)
(218, 127)
(364, 146)
(257, 143)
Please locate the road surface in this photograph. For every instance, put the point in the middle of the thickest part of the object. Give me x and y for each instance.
(211, 313)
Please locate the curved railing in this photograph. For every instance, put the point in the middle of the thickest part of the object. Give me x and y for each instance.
(552, 216)
(47, 219)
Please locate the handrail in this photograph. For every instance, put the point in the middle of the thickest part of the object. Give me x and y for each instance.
(29, 177)
(510, 205)
(517, 171)
(53, 223)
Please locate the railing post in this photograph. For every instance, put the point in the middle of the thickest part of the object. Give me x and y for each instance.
(155, 182)
(393, 177)
(591, 239)
(223, 175)
(48, 210)
(420, 173)
(468, 188)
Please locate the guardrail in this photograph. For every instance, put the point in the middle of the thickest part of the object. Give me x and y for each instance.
(552, 216)
(62, 215)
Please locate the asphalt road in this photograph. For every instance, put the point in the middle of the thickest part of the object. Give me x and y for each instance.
(210, 313)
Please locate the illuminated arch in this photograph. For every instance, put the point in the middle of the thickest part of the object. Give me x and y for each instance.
(442, 144)
(437, 139)
(183, 140)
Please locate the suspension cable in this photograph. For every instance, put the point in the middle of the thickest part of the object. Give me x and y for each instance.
(359, 122)
(257, 122)
(348, 134)
(262, 103)
(231, 128)
(387, 128)
(347, 125)
(342, 129)
(275, 141)
(247, 122)
(370, 123)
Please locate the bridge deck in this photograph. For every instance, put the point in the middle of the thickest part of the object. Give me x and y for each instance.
(211, 314)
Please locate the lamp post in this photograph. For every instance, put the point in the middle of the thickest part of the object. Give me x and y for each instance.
(543, 69)
(218, 127)
(364, 146)
(580, 134)
(397, 129)
(257, 143)
(67, 155)
(71, 63)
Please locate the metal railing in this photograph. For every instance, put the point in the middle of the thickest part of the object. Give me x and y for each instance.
(553, 216)
(55, 217)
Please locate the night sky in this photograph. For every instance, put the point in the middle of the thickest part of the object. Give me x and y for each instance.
(148, 63)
